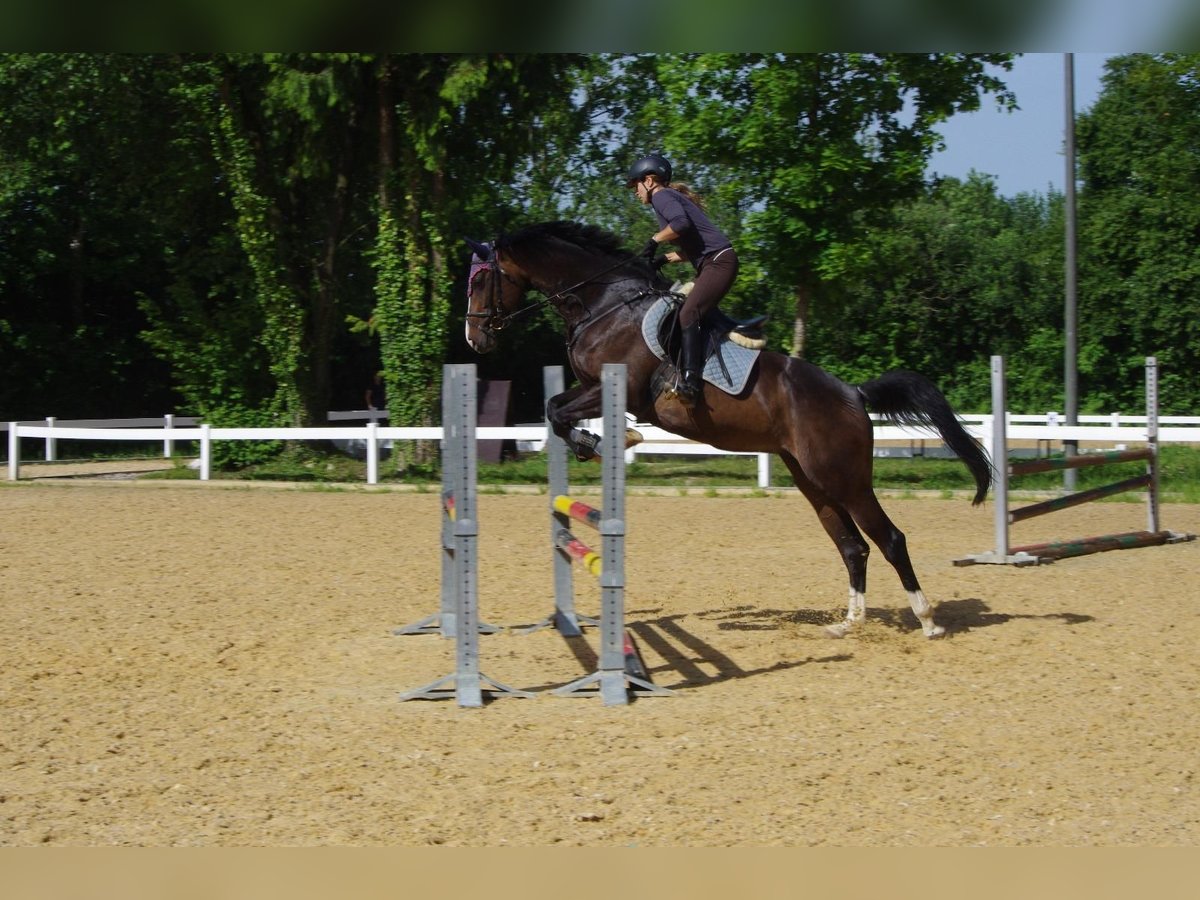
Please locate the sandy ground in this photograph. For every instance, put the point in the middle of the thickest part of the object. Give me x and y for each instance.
(189, 664)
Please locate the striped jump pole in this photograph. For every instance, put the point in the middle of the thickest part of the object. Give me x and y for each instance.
(459, 614)
(621, 672)
(590, 560)
(578, 551)
(1049, 551)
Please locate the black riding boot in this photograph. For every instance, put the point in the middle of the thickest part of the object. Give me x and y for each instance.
(691, 384)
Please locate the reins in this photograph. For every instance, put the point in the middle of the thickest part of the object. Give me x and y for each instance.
(496, 319)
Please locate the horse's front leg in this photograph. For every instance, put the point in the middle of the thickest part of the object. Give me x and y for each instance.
(583, 401)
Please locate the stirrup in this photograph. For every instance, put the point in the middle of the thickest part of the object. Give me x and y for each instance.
(687, 392)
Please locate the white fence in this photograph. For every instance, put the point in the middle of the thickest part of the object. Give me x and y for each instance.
(1109, 430)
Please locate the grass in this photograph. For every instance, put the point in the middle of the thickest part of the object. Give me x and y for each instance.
(1179, 474)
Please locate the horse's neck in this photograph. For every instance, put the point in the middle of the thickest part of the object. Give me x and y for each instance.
(579, 295)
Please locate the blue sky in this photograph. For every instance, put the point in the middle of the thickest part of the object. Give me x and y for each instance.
(1022, 150)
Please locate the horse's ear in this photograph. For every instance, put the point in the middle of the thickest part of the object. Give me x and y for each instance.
(482, 250)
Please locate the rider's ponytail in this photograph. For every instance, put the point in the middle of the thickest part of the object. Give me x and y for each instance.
(687, 192)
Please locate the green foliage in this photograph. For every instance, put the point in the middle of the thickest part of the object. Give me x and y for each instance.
(254, 235)
(812, 149)
(957, 275)
(409, 351)
(80, 232)
(1139, 222)
(283, 319)
(231, 455)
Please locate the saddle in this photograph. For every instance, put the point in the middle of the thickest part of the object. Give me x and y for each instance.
(731, 346)
(746, 333)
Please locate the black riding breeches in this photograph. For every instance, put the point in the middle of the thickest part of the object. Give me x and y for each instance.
(713, 280)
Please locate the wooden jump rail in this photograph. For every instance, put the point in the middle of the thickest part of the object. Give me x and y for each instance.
(1049, 551)
(565, 540)
(578, 510)
(1079, 462)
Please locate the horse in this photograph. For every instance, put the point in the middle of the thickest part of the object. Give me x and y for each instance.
(816, 423)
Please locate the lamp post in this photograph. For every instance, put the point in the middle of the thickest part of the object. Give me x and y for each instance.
(1070, 363)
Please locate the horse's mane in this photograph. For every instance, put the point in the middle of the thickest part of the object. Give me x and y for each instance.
(587, 237)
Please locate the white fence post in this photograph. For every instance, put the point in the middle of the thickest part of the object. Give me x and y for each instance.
(372, 452)
(764, 470)
(205, 452)
(14, 451)
(51, 443)
(168, 444)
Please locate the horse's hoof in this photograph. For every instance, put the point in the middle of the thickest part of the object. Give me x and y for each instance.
(632, 438)
(935, 632)
(584, 443)
(840, 630)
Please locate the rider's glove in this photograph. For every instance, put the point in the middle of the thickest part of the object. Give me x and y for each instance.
(650, 249)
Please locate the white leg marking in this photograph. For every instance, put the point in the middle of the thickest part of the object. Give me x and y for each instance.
(924, 612)
(856, 614)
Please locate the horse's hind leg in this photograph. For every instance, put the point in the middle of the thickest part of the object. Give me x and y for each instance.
(839, 526)
(850, 543)
(891, 542)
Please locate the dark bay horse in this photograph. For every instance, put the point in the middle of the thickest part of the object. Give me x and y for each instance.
(817, 424)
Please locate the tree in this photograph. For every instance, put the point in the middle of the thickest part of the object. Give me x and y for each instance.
(953, 277)
(80, 231)
(349, 177)
(1139, 217)
(813, 148)
(458, 137)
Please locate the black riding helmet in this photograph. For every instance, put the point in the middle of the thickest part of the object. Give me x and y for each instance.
(650, 165)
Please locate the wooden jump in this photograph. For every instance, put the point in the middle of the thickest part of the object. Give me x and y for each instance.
(1049, 551)
(621, 671)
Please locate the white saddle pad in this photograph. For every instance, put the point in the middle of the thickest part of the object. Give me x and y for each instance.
(738, 361)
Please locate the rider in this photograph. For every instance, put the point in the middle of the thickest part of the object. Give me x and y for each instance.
(682, 220)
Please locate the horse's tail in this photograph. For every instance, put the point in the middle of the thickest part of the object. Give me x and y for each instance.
(907, 398)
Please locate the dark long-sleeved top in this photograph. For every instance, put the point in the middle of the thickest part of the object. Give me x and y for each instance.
(698, 236)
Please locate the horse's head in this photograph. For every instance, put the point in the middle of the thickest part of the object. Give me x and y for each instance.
(571, 264)
(495, 288)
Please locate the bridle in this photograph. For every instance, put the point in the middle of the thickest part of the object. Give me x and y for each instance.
(494, 317)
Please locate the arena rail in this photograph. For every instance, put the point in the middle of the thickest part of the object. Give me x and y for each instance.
(1047, 429)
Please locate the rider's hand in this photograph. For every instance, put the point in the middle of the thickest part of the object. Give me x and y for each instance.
(661, 261)
(650, 249)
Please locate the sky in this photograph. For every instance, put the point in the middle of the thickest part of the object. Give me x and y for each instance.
(1022, 150)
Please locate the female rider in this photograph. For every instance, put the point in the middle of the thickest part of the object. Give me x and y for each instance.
(683, 222)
